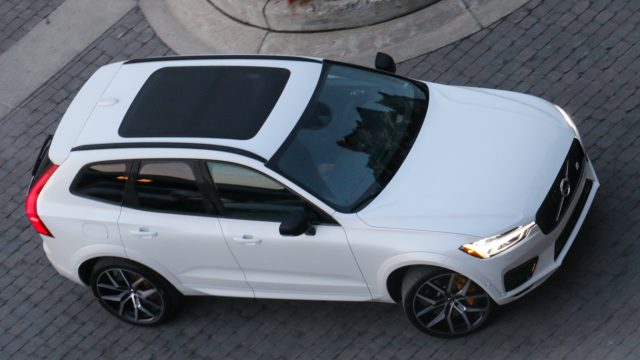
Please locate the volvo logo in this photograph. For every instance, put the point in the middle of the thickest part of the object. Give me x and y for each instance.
(565, 190)
(565, 187)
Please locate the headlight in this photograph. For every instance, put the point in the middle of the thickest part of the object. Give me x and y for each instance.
(488, 247)
(567, 118)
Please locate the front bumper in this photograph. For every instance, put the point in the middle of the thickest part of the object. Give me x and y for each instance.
(549, 250)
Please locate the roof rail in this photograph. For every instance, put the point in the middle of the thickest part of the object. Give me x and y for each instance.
(136, 145)
(224, 57)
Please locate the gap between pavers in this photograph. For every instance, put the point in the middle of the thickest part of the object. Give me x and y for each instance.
(52, 44)
(196, 27)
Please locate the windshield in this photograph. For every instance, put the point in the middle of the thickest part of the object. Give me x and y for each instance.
(353, 136)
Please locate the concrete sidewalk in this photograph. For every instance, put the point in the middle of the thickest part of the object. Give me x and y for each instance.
(197, 27)
(37, 56)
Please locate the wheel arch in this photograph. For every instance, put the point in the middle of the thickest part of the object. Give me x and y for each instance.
(392, 273)
(394, 280)
(84, 270)
(86, 267)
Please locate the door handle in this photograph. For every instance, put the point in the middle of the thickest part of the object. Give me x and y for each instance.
(144, 232)
(247, 239)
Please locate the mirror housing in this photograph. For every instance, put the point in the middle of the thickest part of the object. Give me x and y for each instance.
(385, 62)
(296, 224)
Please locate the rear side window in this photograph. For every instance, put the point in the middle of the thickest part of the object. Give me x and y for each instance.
(169, 186)
(230, 102)
(103, 182)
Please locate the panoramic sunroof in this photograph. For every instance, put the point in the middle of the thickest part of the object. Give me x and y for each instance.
(229, 102)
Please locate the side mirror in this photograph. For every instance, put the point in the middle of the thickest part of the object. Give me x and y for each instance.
(296, 224)
(385, 62)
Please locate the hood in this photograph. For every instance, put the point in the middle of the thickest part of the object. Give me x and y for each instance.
(483, 162)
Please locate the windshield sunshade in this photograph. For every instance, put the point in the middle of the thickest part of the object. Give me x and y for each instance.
(228, 102)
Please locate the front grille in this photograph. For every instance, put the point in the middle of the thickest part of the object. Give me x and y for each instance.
(575, 215)
(519, 275)
(562, 190)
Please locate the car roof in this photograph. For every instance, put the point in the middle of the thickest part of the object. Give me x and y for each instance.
(95, 115)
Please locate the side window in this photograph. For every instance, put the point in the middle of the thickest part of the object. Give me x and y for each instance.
(169, 186)
(103, 182)
(247, 194)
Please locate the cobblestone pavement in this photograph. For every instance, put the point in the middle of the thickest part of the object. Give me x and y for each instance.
(583, 55)
(18, 17)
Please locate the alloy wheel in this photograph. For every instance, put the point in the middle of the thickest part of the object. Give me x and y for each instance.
(450, 305)
(130, 295)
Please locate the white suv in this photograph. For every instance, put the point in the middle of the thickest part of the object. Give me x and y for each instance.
(299, 178)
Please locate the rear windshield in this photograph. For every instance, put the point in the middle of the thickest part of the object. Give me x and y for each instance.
(229, 102)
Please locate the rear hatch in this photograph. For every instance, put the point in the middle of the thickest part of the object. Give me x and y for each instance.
(79, 112)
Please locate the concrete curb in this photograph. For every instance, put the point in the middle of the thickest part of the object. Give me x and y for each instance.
(196, 27)
(164, 22)
(280, 15)
(51, 44)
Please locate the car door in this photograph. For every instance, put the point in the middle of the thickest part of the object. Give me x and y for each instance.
(310, 266)
(169, 221)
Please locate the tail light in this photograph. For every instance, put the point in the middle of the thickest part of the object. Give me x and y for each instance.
(31, 205)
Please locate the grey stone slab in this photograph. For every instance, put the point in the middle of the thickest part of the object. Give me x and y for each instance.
(171, 31)
(194, 26)
(488, 11)
(68, 30)
(322, 15)
(249, 12)
(17, 17)
(428, 29)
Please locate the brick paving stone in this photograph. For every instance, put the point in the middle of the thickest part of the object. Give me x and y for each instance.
(583, 55)
(18, 17)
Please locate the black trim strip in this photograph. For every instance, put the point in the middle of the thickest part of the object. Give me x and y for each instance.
(210, 189)
(223, 57)
(130, 198)
(138, 145)
(43, 151)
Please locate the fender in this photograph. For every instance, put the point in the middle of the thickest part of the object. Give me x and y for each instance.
(91, 252)
(160, 269)
(428, 259)
(107, 250)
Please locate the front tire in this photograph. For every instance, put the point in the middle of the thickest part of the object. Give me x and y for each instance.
(133, 293)
(444, 303)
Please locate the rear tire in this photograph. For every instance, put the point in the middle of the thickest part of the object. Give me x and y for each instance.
(133, 293)
(443, 303)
